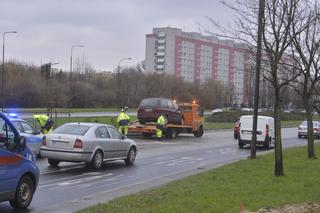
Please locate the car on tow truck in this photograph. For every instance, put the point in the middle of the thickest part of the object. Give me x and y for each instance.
(19, 174)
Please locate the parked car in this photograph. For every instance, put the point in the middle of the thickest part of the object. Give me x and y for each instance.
(265, 131)
(150, 109)
(216, 110)
(88, 142)
(236, 130)
(19, 172)
(33, 136)
(303, 129)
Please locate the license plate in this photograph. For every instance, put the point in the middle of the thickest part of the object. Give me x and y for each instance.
(148, 110)
(59, 143)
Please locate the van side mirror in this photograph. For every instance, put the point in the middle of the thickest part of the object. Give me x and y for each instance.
(22, 143)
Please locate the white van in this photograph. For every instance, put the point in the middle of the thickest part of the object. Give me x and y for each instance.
(265, 131)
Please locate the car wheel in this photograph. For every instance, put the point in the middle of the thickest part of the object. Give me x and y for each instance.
(53, 163)
(131, 157)
(240, 143)
(199, 132)
(97, 160)
(24, 193)
(299, 136)
(171, 133)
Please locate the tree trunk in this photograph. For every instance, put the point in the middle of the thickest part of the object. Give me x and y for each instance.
(278, 169)
(307, 105)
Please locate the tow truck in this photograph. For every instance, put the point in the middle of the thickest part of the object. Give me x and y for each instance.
(193, 123)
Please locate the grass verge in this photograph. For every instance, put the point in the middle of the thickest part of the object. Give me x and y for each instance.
(247, 182)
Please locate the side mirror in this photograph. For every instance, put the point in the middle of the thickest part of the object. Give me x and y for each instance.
(36, 132)
(22, 143)
(124, 137)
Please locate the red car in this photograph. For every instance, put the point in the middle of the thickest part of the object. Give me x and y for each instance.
(236, 131)
(151, 108)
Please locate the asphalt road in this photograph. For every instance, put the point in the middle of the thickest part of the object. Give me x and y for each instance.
(72, 186)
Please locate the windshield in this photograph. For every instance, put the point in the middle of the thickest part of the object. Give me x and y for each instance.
(72, 129)
(150, 102)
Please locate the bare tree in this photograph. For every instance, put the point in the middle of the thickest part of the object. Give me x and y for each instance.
(277, 39)
(306, 53)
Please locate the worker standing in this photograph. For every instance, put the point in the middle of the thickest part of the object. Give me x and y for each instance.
(123, 121)
(45, 122)
(161, 126)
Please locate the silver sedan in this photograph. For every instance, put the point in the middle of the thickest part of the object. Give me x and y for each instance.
(88, 142)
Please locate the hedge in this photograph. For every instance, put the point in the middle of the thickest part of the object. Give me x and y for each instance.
(233, 116)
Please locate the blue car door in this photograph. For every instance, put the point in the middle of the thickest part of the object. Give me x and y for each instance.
(9, 161)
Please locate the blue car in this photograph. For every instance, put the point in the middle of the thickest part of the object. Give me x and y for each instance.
(19, 174)
(33, 137)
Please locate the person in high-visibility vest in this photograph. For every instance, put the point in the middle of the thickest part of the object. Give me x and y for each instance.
(161, 126)
(123, 121)
(45, 122)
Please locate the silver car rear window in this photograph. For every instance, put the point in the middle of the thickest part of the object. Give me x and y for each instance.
(72, 129)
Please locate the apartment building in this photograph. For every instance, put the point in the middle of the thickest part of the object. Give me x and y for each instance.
(195, 57)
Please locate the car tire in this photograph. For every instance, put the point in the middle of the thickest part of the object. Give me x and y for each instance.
(53, 163)
(199, 132)
(299, 136)
(240, 143)
(171, 133)
(131, 157)
(24, 193)
(97, 160)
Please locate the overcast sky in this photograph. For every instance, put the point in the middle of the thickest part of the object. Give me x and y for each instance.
(110, 30)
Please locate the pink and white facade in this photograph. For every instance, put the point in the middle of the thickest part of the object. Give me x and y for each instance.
(195, 57)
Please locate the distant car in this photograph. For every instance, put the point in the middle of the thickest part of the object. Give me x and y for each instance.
(19, 171)
(246, 109)
(150, 109)
(216, 110)
(88, 142)
(33, 136)
(236, 131)
(303, 129)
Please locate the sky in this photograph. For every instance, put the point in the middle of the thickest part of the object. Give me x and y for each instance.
(109, 30)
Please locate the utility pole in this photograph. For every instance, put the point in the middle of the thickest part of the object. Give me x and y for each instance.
(257, 80)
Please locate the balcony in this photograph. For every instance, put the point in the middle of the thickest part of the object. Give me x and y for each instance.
(161, 41)
(161, 35)
(160, 60)
(160, 54)
(160, 67)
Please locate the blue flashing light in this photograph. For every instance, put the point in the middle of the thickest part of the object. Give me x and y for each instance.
(13, 115)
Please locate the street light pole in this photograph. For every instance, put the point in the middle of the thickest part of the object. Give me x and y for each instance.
(3, 70)
(118, 80)
(70, 77)
(257, 80)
